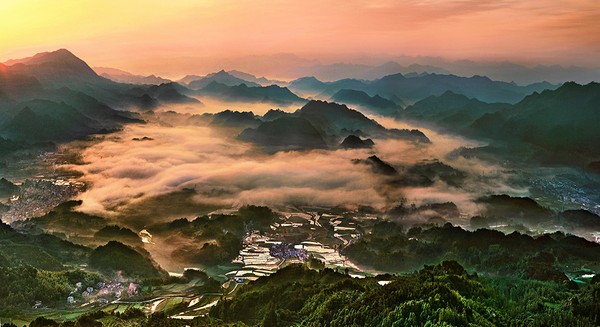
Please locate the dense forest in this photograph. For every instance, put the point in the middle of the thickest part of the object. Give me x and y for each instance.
(438, 295)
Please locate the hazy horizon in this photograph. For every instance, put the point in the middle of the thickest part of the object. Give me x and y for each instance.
(190, 37)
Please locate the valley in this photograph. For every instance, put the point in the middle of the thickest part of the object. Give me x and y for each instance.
(123, 203)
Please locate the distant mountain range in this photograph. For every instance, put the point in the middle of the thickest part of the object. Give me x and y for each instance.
(414, 88)
(501, 71)
(376, 103)
(221, 77)
(231, 78)
(122, 76)
(55, 96)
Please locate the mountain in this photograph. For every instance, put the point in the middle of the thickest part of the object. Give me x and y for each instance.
(60, 115)
(91, 107)
(337, 71)
(171, 93)
(273, 114)
(116, 256)
(24, 79)
(221, 77)
(42, 120)
(285, 132)
(122, 76)
(506, 209)
(336, 119)
(307, 85)
(563, 122)
(14, 84)
(258, 80)
(56, 68)
(355, 142)
(189, 78)
(449, 110)
(524, 74)
(376, 103)
(412, 88)
(324, 124)
(242, 92)
(236, 119)
(41, 251)
(480, 87)
(378, 166)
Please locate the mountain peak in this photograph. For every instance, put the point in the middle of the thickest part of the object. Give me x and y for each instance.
(221, 72)
(319, 104)
(60, 55)
(50, 65)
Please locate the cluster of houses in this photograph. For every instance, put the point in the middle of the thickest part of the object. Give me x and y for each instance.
(262, 255)
(103, 292)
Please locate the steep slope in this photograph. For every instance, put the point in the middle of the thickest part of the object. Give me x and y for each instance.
(355, 142)
(285, 132)
(56, 68)
(563, 121)
(42, 120)
(375, 103)
(336, 119)
(450, 110)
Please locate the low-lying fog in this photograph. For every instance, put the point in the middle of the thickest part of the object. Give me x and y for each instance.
(122, 172)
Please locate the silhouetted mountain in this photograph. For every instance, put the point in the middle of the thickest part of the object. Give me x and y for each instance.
(116, 233)
(14, 84)
(116, 256)
(507, 71)
(437, 170)
(332, 122)
(42, 120)
(285, 132)
(91, 107)
(378, 166)
(307, 85)
(273, 114)
(263, 81)
(355, 142)
(376, 103)
(221, 77)
(506, 209)
(23, 79)
(337, 71)
(171, 93)
(56, 68)
(335, 119)
(450, 110)
(560, 121)
(237, 119)
(122, 76)
(420, 87)
(343, 84)
(415, 88)
(273, 93)
(42, 251)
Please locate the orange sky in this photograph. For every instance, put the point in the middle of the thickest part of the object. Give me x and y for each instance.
(170, 37)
